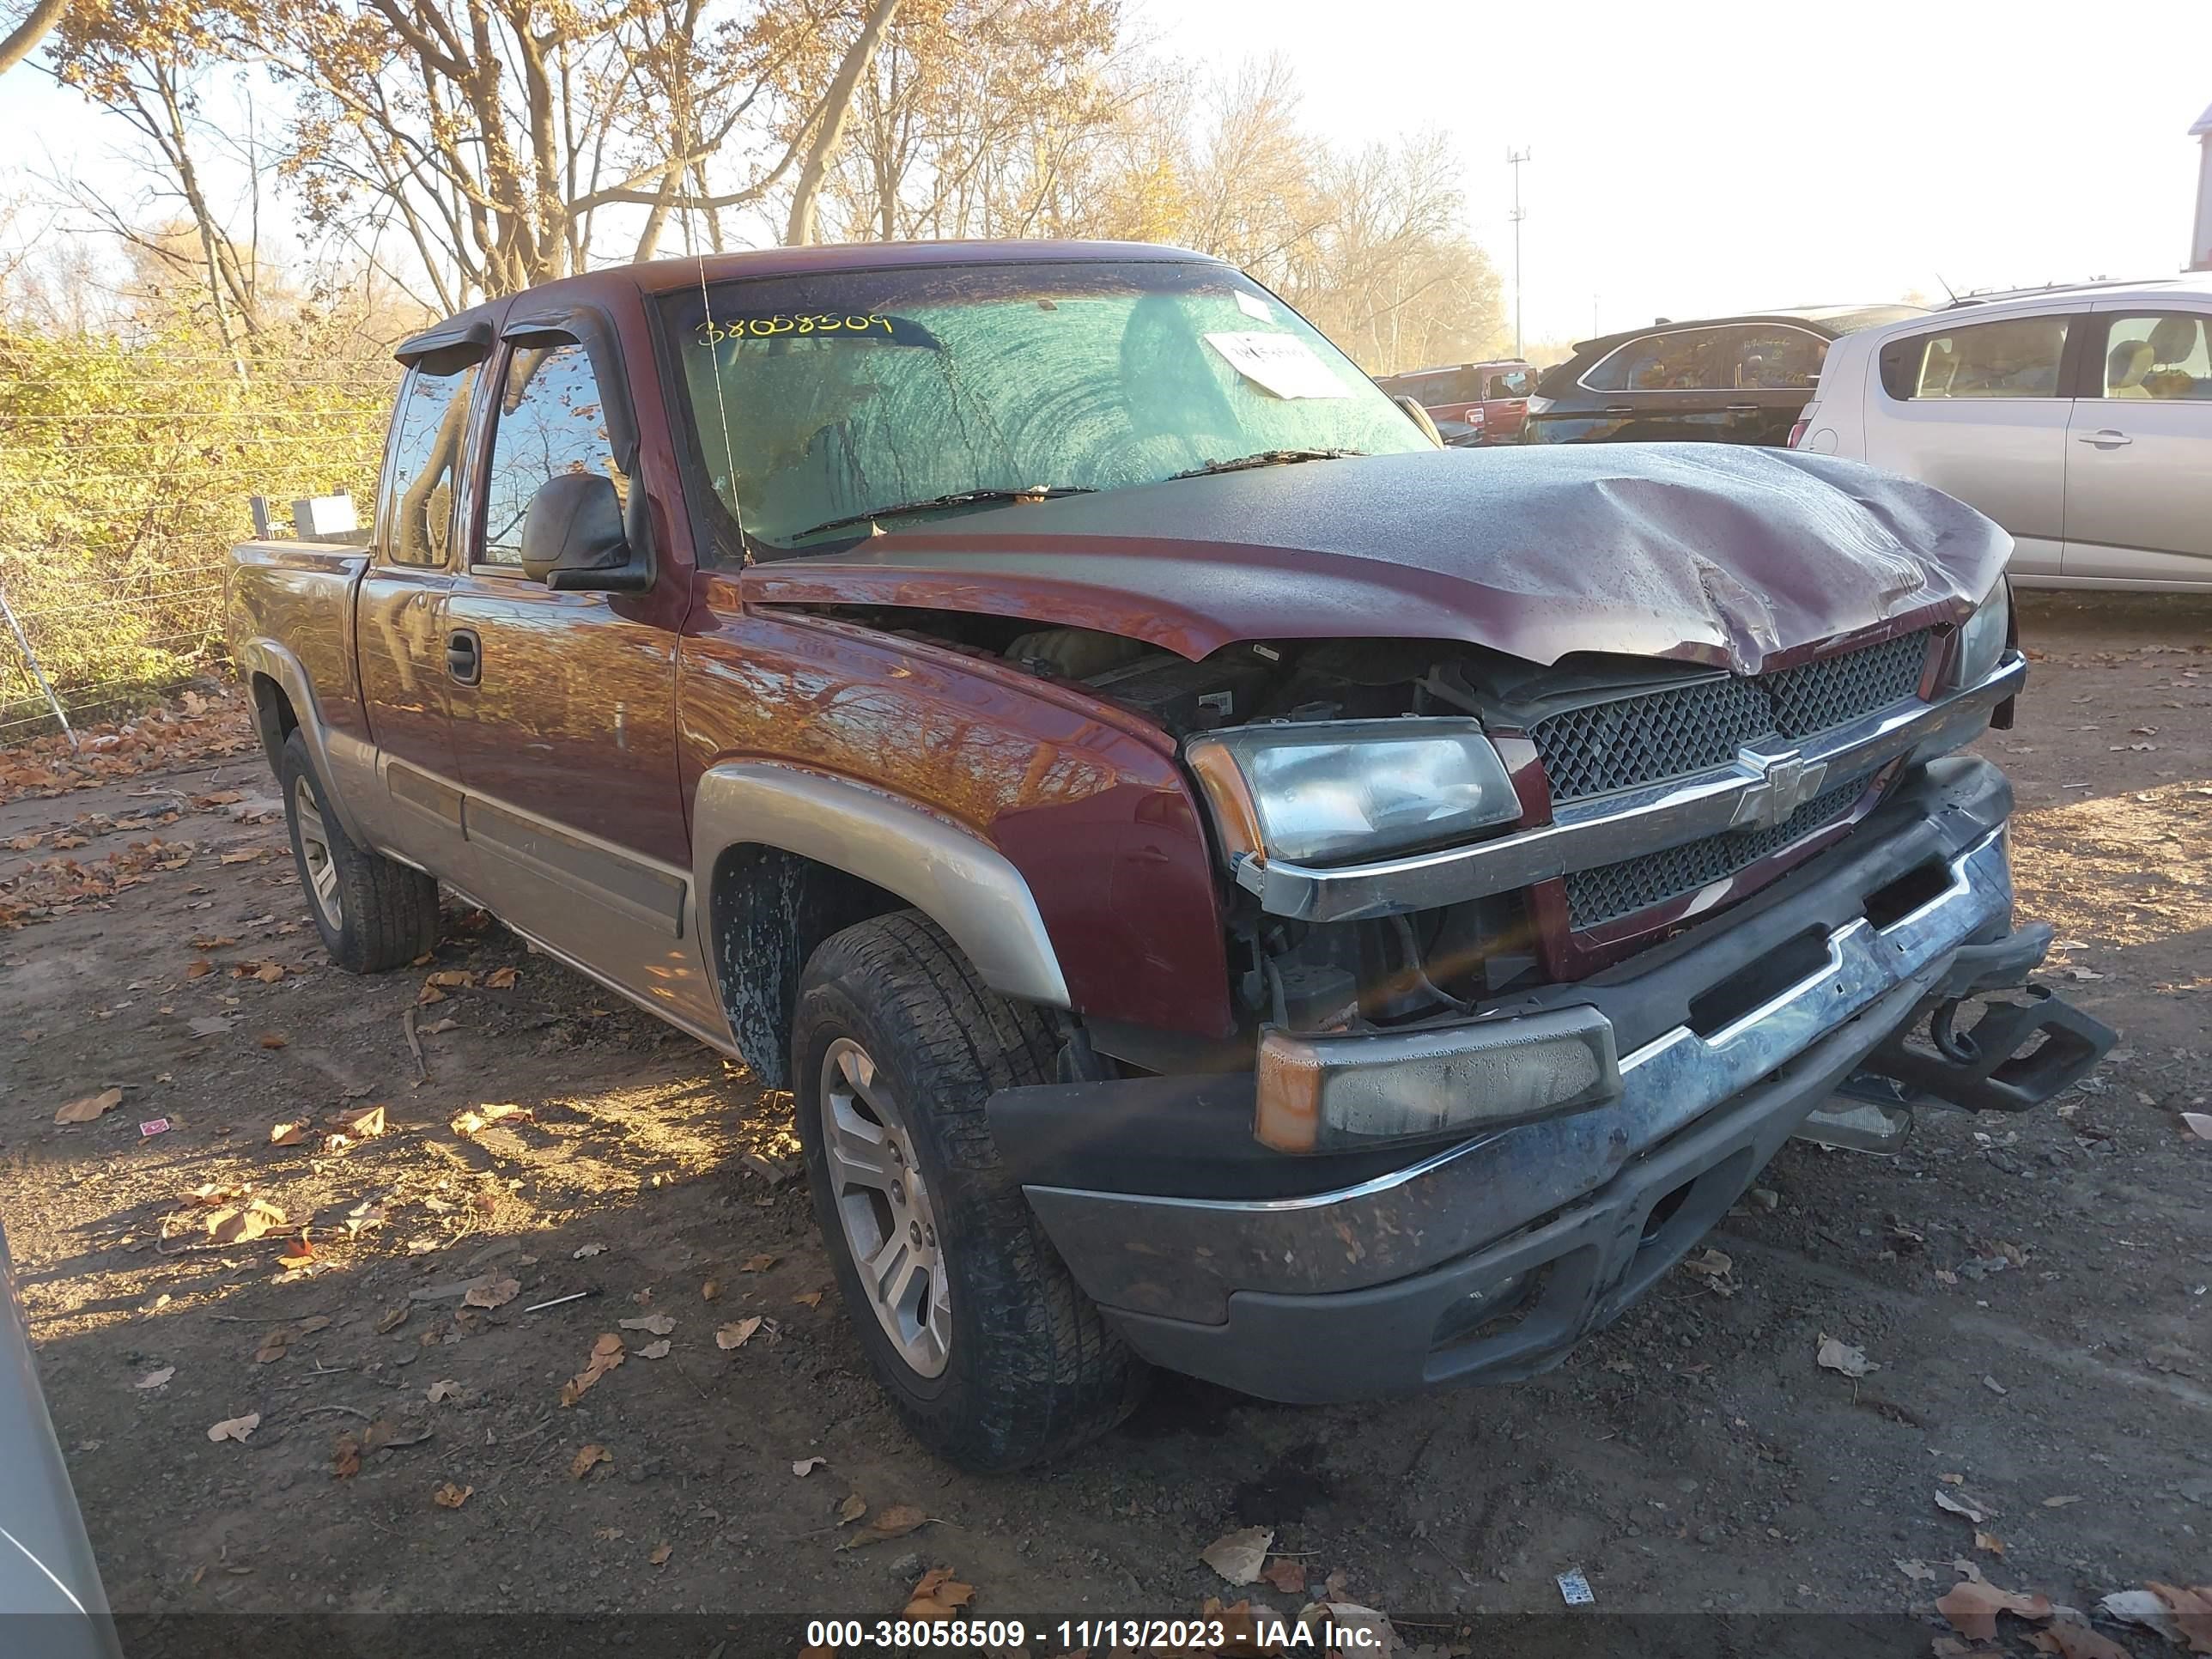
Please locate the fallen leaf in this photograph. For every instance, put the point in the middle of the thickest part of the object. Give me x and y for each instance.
(269, 972)
(737, 1335)
(658, 1324)
(808, 1298)
(451, 1497)
(1238, 1556)
(438, 1027)
(383, 1433)
(2061, 1502)
(274, 1040)
(1972, 1606)
(346, 1456)
(895, 1522)
(500, 979)
(1837, 1355)
(235, 1428)
(287, 1135)
(806, 1466)
(586, 1459)
(364, 1125)
(936, 1597)
(759, 1264)
(654, 1350)
(1989, 1543)
(660, 1554)
(710, 1290)
(480, 1117)
(1920, 1571)
(1974, 1509)
(2071, 1640)
(428, 994)
(89, 1107)
(451, 979)
(198, 970)
(1285, 1575)
(2140, 1606)
(232, 1224)
(393, 1319)
(273, 1346)
(443, 1389)
(851, 1509)
(2190, 1609)
(607, 1354)
(155, 1379)
(491, 1292)
(2199, 1124)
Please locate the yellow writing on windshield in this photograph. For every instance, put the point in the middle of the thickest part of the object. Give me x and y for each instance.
(762, 328)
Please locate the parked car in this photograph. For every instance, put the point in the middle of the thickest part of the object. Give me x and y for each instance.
(2080, 420)
(1229, 885)
(1722, 379)
(1472, 403)
(46, 1567)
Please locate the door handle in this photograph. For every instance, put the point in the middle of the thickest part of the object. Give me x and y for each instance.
(1743, 409)
(2107, 439)
(1620, 409)
(464, 656)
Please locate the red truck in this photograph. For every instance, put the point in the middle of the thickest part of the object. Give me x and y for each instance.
(1229, 885)
(1472, 403)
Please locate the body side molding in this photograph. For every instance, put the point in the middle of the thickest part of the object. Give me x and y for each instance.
(962, 882)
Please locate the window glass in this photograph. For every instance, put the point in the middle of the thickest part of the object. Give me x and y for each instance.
(821, 404)
(1681, 360)
(1771, 359)
(426, 459)
(1510, 383)
(2016, 357)
(2160, 356)
(551, 422)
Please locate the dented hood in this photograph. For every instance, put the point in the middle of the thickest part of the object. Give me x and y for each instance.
(1713, 554)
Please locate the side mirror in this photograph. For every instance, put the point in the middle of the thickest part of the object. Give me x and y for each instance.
(573, 539)
(1420, 417)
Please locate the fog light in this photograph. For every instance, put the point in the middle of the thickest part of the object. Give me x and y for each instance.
(1323, 1093)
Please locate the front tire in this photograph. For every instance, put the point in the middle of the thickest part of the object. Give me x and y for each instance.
(991, 1353)
(372, 912)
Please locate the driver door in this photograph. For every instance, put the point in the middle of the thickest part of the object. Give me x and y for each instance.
(563, 707)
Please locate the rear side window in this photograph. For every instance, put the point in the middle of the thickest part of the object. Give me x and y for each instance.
(2014, 358)
(550, 421)
(427, 433)
(1684, 360)
(1512, 383)
(1767, 359)
(2158, 357)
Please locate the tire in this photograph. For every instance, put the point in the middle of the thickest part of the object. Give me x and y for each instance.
(1024, 1366)
(373, 912)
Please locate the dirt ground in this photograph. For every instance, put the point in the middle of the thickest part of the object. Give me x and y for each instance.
(2034, 1291)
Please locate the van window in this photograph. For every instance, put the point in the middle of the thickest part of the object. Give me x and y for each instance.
(1681, 360)
(2014, 358)
(2157, 356)
(1509, 383)
(416, 517)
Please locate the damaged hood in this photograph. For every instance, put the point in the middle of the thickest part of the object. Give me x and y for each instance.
(1715, 554)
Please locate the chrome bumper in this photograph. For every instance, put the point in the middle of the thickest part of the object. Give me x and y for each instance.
(1182, 1258)
(1756, 787)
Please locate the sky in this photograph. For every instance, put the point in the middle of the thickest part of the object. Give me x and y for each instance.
(1697, 160)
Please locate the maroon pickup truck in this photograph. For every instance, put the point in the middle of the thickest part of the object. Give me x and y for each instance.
(1229, 884)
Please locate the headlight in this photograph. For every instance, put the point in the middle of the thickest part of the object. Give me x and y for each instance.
(1337, 790)
(1982, 639)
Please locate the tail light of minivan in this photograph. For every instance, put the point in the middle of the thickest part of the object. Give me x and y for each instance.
(1797, 433)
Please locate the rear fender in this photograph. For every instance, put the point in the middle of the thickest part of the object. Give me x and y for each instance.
(338, 764)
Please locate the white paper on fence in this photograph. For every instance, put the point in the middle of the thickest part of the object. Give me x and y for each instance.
(1279, 363)
(1255, 307)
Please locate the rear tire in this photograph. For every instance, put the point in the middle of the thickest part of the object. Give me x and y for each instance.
(373, 913)
(987, 1348)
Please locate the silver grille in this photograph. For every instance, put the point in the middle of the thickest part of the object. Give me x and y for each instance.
(1653, 736)
(1614, 890)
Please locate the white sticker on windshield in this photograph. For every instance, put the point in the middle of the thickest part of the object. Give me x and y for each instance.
(1255, 307)
(1279, 363)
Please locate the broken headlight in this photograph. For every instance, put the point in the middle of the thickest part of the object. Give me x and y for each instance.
(1333, 790)
(1982, 639)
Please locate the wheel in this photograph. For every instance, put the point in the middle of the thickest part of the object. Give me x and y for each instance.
(971, 1322)
(373, 912)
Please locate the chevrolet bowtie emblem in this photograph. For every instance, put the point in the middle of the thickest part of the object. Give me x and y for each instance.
(1780, 785)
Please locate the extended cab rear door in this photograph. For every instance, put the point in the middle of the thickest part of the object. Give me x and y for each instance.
(563, 703)
(399, 608)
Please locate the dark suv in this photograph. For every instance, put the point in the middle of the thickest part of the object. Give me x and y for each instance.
(1724, 379)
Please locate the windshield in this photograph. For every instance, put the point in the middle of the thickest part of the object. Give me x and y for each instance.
(816, 401)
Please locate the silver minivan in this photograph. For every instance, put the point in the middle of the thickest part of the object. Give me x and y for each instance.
(2080, 419)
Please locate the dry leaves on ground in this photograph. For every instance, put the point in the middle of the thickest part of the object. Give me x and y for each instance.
(1837, 1355)
(936, 1597)
(500, 979)
(737, 1335)
(1974, 1509)
(443, 1389)
(803, 1467)
(493, 1291)
(235, 1428)
(482, 1117)
(660, 1554)
(654, 1350)
(89, 1107)
(288, 1133)
(587, 1460)
(658, 1324)
(1972, 1606)
(451, 1497)
(2071, 1641)
(607, 1354)
(1238, 1556)
(851, 1509)
(232, 1224)
(345, 1456)
(759, 1264)
(894, 1521)
(155, 1379)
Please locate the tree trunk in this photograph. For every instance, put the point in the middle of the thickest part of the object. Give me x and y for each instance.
(829, 122)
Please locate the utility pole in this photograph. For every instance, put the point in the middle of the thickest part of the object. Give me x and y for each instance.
(1514, 158)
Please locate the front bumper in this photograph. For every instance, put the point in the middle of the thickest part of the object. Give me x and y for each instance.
(1491, 1258)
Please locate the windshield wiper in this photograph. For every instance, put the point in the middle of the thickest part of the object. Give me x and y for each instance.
(1265, 458)
(957, 498)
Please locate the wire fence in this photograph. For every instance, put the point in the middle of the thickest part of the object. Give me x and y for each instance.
(126, 474)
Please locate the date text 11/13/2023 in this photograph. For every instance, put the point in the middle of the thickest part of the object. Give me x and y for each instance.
(1319, 1631)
